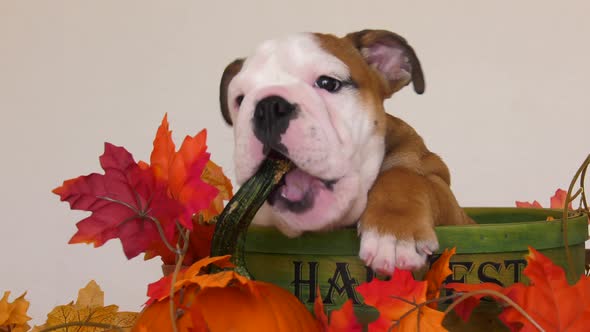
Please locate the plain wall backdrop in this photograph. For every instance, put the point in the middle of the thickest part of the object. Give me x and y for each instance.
(506, 105)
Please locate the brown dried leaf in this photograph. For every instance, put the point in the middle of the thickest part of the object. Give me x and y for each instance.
(89, 314)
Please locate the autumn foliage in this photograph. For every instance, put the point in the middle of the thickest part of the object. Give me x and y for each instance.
(557, 201)
(139, 203)
(223, 301)
(88, 313)
(167, 208)
(549, 299)
(13, 315)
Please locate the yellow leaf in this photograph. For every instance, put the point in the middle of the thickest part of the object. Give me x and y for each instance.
(89, 314)
(5, 308)
(13, 316)
(90, 296)
(213, 175)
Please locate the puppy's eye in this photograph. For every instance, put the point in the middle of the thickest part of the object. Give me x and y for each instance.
(239, 100)
(328, 83)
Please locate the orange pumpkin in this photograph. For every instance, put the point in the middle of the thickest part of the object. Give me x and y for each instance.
(224, 301)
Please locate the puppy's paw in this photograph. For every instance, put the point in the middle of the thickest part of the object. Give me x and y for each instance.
(385, 252)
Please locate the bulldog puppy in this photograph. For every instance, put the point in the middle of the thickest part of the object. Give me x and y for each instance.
(317, 100)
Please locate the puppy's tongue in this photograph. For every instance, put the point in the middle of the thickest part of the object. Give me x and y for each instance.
(297, 184)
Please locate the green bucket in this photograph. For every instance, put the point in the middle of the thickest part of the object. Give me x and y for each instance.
(493, 250)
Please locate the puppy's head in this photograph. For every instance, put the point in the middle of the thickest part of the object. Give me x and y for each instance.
(317, 100)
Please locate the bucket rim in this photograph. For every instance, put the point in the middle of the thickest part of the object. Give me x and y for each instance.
(485, 237)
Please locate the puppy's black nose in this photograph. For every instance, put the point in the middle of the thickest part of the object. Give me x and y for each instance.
(271, 119)
(271, 109)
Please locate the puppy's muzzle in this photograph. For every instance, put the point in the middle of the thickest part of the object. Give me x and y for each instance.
(271, 119)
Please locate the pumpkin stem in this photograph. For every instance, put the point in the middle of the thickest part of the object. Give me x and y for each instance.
(232, 224)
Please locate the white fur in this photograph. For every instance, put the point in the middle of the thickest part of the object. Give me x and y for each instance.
(384, 253)
(333, 136)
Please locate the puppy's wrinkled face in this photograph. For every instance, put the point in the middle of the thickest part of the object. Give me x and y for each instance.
(315, 100)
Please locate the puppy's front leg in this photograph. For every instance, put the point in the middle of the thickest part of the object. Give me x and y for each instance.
(397, 226)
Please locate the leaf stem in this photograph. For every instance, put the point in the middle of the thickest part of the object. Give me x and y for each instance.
(179, 259)
(417, 306)
(140, 214)
(163, 235)
(112, 200)
(90, 324)
(505, 298)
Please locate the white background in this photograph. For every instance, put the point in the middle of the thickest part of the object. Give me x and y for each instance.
(506, 105)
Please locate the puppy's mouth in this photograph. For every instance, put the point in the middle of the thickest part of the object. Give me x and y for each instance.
(297, 190)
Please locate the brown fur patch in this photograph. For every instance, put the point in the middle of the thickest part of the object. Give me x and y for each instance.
(228, 74)
(412, 193)
(370, 84)
(366, 38)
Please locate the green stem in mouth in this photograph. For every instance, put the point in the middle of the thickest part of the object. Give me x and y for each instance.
(232, 224)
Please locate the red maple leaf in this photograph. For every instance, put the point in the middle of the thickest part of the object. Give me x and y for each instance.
(123, 201)
(534, 204)
(199, 245)
(130, 199)
(401, 304)
(465, 308)
(557, 201)
(549, 300)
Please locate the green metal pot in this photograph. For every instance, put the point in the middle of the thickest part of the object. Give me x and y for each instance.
(491, 251)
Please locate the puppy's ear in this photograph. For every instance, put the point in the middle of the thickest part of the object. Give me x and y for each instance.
(228, 74)
(391, 56)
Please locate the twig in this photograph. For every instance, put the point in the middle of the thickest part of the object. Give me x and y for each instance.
(581, 172)
(90, 324)
(574, 196)
(499, 295)
(163, 235)
(583, 201)
(179, 260)
(143, 215)
(112, 200)
(417, 306)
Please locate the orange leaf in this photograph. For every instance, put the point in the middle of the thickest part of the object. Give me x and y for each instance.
(344, 319)
(535, 204)
(198, 267)
(192, 149)
(549, 299)
(318, 310)
(184, 178)
(163, 152)
(436, 275)
(160, 289)
(341, 320)
(396, 300)
(558, 199)
(213, 175)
